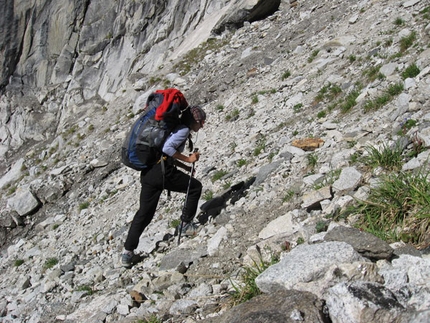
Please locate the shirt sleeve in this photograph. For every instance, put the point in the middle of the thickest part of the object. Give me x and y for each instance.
(176, 141)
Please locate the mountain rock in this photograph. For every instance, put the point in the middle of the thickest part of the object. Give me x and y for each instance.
(345, 75)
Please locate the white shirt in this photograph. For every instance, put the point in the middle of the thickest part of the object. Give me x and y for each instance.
(176, 140)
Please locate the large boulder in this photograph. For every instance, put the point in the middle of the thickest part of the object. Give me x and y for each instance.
(283, 306)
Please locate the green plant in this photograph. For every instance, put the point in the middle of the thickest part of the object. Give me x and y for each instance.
(373, 73)
(314, 54)
(288, 196)
(175, 223)
(321, 93)
(417, 146)
(349, 101)
(407, 125)
(261, 145)
(426, 13)
(226, 185)
(411, 71)
(11, 190)
(218, 175)
(84, 205)
(208, 195)
(271, 155)
(248, 288)
(387, 157)
(286, 75)
(85, 288)
(233, 115)
(321, 226)
(354, 158)
(220, 107)
(152, 319)
(241, 162)
(395, 89)
(398, 208)
(399, 21)
(388, 42)
(300, 240)
(321, 114)
(407, 41)
(329, 179)
(298, 107)
(380, 101)
(312, 160)
(352, 58)
(196, 55)
(50, 262)
(254, 99)
(376, 103)
(334, 91)
(18, 262)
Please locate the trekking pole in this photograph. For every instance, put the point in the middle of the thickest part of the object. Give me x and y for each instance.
(186, 199)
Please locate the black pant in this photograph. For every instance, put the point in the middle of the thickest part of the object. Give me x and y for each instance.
(152, 187)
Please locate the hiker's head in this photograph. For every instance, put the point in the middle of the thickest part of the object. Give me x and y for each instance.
(194, 118)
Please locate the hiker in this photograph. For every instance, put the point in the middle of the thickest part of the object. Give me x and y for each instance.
(153, 182)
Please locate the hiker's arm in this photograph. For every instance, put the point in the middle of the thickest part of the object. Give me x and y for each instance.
(188, 159)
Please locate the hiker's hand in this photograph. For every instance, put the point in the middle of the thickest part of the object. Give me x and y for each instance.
(194, 157)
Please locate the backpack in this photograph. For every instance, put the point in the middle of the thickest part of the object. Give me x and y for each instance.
(143, 144)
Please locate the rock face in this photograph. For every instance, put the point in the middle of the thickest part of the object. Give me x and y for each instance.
(246, 10)
(338, 76)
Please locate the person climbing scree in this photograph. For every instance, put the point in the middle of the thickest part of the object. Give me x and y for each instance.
(153, 182)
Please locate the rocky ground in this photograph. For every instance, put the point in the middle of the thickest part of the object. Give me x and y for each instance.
(260, 87)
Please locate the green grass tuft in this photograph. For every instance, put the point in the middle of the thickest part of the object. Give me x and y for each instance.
(398, 208)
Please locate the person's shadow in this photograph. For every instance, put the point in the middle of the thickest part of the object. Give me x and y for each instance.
(214, 206)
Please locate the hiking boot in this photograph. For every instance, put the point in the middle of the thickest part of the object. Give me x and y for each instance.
(127, 259)
(188, 229)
